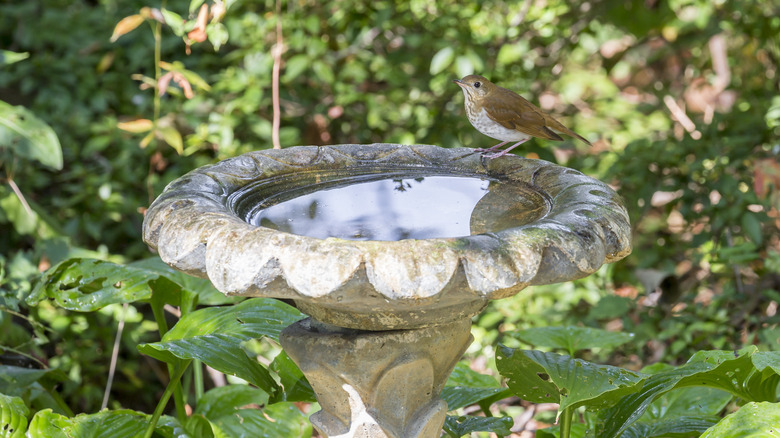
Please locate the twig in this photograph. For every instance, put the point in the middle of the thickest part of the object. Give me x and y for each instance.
(681, 117)
(114, 356)
(277, 52)
(19, 195)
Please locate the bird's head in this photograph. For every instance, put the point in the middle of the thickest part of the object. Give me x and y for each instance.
(475, 87)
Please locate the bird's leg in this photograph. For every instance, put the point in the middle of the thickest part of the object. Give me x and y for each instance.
(505, 151)
(493, 149)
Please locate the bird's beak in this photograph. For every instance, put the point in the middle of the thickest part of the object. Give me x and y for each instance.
(458, 81)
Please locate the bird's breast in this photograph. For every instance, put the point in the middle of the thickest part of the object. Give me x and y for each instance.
(484, 124)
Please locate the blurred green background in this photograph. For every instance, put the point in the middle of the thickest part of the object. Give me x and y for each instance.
(681, 99)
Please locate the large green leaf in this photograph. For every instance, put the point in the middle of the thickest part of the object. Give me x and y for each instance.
(215, 336)
(86, 285)
(466, 387)
(9, 57)
(240, 410)
(13, 417)
(549, 377)
(28, 136)
(206, 292)
(34, 386)
(572, 339)
(296, 386)
(736, 375)
(754, 420)
(120, 423)
(464, 425)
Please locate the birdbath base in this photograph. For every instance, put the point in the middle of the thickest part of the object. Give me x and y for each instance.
(377, 384)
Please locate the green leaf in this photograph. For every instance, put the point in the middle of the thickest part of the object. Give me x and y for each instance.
(753, 420)
(578, 430)
(215, 336)
(296, 386)
(548, 377)
(28, 136)
(13, 417)
(294, 66)
(441, 60)
(122, 423)
(235, 410)
(466, 387)
(173, 20)
(217, 34)
(86, 285)
(572, 339)
(464, 425)
(206, 292)
(751, 225)
(195, 4)
(8, 57)
(713, 369)
(682, 426)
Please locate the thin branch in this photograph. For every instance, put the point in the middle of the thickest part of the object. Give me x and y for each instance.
(19, 195)
(114, 356)
(277, 53)
(680, 116)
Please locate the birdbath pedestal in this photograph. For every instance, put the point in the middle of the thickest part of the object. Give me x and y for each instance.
(390, 290)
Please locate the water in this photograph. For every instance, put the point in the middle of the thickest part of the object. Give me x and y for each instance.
(393, 208)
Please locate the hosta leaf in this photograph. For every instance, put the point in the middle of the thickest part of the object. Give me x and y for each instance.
(296, 386)
(670, 427)
(548, 377)
(13, 417)
(572, 338)
(86, 285)
(28, 136)
(240, 410)
(464, 425)
(723, 370)
(466, 387)
(753, 420)
(121, 423)
(215, 336)
(206, 292)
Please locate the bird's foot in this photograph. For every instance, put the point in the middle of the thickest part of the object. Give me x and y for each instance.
(492, 155)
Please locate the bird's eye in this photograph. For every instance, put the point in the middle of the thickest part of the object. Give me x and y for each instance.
(477, 84)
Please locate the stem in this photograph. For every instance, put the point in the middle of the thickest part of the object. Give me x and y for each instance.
(162, 327)
(566, 420)
(114, 356)
(173, 385)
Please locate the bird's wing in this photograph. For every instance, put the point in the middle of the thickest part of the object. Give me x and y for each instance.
(513, 112)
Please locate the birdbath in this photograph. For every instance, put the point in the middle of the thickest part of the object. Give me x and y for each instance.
(390, 250)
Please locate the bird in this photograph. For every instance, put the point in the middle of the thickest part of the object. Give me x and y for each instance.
(505, 115)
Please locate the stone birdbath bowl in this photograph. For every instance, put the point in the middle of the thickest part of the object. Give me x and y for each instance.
(390, 250)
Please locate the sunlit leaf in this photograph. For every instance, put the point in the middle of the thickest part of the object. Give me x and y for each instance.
(217, 34)
(8, 57)
(171, 136)
(126, 25)
(121, 423)
(136, 126)
(572, 338)
(466, 424)
(13, 416)
(441, 60)
(86, 285)
(753, 420)
(29, 137)
(173, 20)
(553, 378)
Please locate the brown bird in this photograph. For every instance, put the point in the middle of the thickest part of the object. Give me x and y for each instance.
(504, 115)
